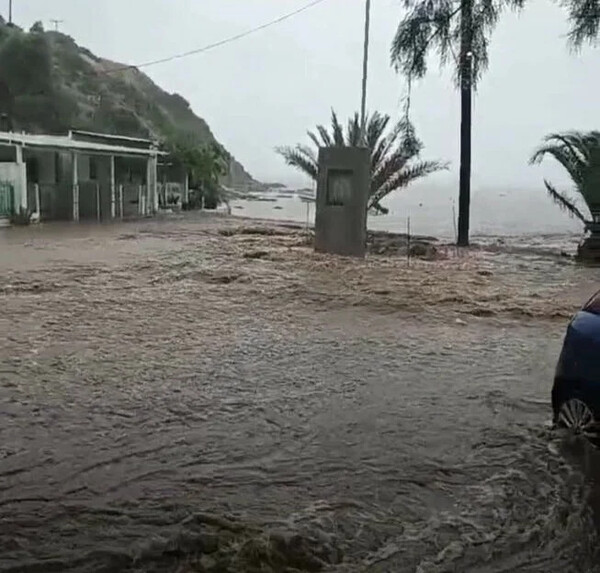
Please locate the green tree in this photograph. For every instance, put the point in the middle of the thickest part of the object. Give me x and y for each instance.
(579, 155)
(449, 27)
(394, 153)
(205, 165)
(37, 103)
(37, 28)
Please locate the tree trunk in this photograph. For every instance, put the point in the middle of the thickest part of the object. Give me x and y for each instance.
(466, 89)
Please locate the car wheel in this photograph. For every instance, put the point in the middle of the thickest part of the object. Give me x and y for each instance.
(576, 416)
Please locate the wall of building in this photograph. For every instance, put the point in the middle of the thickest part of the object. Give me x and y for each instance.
(52, 174)
(51, 179)
(46, 161)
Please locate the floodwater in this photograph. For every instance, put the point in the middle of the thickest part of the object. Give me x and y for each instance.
(523, 213)
(188, 395)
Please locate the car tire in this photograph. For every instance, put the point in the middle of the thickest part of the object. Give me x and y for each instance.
(578, 418)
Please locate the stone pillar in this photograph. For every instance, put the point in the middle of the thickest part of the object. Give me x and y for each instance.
(342, 196)
(75, 174)
(113, 189)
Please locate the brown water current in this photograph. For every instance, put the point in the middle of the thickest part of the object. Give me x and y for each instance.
(207, 394)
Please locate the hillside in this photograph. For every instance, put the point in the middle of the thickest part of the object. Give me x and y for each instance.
(50, 84)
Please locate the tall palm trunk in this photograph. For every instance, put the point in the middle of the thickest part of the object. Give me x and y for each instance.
(466, 90)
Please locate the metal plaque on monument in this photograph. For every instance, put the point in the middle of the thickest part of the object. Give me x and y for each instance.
(342, 195)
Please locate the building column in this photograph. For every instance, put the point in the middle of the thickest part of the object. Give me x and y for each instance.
(98, 204)
(152, 184)
(75, 174)
(186, 187)
(113, 188)
(20, 191)
(38, 201)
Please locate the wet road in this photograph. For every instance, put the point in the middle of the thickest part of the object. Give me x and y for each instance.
(190, 409)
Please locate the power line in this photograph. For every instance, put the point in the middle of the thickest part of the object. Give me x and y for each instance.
(219, 43)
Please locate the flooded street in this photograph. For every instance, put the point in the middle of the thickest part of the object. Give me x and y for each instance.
(207, 394)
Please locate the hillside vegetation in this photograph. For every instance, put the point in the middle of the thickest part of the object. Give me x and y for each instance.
(50, 84)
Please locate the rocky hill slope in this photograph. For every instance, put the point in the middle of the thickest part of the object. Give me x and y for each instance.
(50, 84)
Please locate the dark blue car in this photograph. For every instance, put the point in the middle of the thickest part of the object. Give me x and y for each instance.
(576, 391)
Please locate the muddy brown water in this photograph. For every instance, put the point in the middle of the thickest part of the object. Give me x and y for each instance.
(169, 403)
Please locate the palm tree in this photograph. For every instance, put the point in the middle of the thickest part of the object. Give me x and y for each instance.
(394, 154)
(584, 16)
(579, 154)
(450, 27)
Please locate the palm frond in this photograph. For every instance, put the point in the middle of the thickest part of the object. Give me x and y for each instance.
(579, 155)
(584, 17)
(378, 208)
(404, 177)
(300, 158)
(325, 137)
(337, 130)
(384, 146)
(428, 27)
(375, 129)
(564, 202)
(573, 142)
(314, 139)
(411, 144)
(567, 158)
(391, 164)
(354, 131)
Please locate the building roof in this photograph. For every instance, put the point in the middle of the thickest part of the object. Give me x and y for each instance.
(65, 143)
(110, 139)
(110, 136)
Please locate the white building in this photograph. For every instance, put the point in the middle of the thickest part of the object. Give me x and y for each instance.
(81, 175)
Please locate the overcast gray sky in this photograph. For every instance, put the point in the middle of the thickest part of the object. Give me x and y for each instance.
(267, 89)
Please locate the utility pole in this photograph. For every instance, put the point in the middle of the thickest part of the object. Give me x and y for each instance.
(10, 11)
(56, 24)
(363, 105)
(466, 92)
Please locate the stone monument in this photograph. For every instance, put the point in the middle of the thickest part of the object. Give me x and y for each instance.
(343, 187)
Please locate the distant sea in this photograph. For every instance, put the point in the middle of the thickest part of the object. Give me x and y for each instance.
(519, 216)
